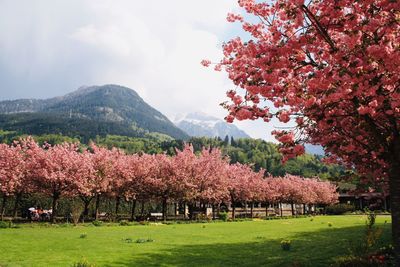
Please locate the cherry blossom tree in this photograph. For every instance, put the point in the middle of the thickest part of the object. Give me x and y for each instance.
(238, 184)
(140, 168)
(10, 173)
(121, 178)
(270, 192)
(15, 176)
(210, 183)
(58, 170)
(103, 163)
(256, 188)
(186, 165)
(162, 183)
(333, 68)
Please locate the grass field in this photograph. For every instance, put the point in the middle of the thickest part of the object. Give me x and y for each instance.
(249, 243)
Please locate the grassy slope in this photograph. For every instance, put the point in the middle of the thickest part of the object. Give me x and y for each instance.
(255, 243)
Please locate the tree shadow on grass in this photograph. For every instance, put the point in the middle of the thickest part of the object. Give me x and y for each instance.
(318, 248)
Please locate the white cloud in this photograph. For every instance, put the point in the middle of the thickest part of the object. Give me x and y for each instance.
(49, 48)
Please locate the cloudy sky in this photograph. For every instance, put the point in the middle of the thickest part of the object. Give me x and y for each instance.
(51, 47)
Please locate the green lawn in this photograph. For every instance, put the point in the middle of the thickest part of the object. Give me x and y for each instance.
(250, 243)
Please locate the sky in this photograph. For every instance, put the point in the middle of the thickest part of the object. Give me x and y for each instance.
(52, 47)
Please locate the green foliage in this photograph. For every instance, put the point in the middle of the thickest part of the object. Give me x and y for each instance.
(338, 209)
(353, 261)
(83, 235)
(361, 251)
(129, 144)
(128, 240)
(97, 223)
(124, 223)
(4, 224)
(383, 257)
(286, 245)
(224, 216)
(47, 123)
(142, 240)
(54, 139)
(372, 233)
(83, 263)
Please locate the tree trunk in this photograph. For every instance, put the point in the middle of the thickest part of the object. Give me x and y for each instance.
(97, 206)
(85, 210)
(56, 197)
(213, 211)
(16, 204)
(394, 177)
(266, 209)
(3, 207)
(133, 209)
(304, 209)
(384, 204)
(233, 211)
(86, 202)
(191, 210)
(164, 209)
(175, 210)
(117, 203)
(142, 209)
(292, 206)
(251, 209)
(281, 209)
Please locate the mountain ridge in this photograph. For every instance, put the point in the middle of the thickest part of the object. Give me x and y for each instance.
(113, 104)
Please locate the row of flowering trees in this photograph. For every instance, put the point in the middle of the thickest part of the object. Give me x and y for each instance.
(67, 170)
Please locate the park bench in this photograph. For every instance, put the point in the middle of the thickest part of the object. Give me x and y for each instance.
(156, 215)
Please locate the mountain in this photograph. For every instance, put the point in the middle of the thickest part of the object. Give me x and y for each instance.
(200, 124)
(314, 149)
(89, 111)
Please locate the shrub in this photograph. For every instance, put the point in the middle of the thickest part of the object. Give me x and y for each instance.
(286, 245)
(203, 218)
(83, 263)
(4, 224)
(372, 233)
(338, 209)
(224, 216)
(366, 261)
(124, 223)
(330, 224)
(350, 261)
(143, 240)
(83, 235)
(97, 223)
(128, 240)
